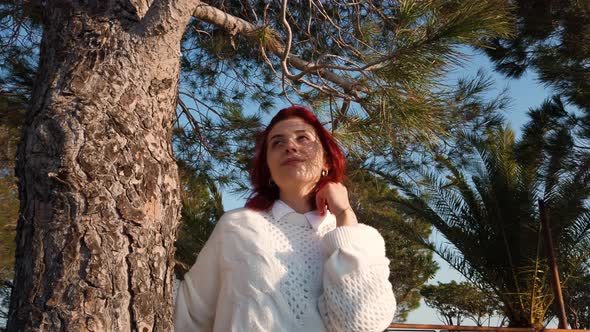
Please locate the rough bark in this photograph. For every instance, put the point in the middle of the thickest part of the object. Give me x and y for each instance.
(98, 182)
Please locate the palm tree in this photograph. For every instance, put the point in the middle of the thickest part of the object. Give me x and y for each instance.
(486, 207)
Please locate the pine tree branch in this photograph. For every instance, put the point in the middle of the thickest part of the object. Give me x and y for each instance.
(235, 25)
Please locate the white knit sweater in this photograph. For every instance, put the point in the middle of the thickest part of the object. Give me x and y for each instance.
(283, 271)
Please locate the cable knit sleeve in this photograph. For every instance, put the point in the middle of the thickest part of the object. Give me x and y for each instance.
(197, 294)
(357, 294)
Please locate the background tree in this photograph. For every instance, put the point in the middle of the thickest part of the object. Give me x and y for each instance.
(201, 204)
(97, 180)
(577, 299)
(489, 200)
(8, 213)
(443, 298)
(454, 302)
(13, 102)
(551, 38)
(411, 263)
(16, 78)
(8, 203)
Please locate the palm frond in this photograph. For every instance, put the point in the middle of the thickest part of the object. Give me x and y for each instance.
(487, 211)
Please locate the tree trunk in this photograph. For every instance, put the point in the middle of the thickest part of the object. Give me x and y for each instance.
(98, 182)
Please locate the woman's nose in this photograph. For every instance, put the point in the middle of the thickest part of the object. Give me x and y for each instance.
(291, 146)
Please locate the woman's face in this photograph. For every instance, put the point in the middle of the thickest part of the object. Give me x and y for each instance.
(294, 155)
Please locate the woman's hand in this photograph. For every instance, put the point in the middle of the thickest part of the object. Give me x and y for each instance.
(334, 196)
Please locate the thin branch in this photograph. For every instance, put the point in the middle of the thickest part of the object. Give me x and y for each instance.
(235, 25)
(287, 50)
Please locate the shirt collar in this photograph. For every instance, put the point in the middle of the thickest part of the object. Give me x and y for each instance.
(281, 209)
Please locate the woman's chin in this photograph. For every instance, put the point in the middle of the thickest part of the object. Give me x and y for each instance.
(298, 182)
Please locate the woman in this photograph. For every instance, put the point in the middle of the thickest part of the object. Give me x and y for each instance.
(295, 258)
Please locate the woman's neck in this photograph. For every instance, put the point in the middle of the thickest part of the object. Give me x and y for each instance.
(298, 201)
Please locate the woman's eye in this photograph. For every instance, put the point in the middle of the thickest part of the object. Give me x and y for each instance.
(303, 138)
(275, 143)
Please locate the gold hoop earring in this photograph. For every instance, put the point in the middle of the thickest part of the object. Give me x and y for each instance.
(324, 172)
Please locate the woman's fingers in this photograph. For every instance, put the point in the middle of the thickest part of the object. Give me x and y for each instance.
(320, 202)
(334, 196)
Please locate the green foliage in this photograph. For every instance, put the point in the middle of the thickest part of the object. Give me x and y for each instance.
(17, 59)
(468, 111)
(8, 217)
(218, 144)
(553, 39)
(412, 263)
(20, 37)
(201, 208)
(487, 209)
(201, 203)
(576, 295)
(394, 53)
(550, 38)
(11, 118)
(455, 302)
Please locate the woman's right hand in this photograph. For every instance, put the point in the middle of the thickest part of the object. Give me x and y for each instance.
(334, 196)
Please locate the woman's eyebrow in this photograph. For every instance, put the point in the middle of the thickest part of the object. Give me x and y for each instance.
(276, 136)
(298, 131)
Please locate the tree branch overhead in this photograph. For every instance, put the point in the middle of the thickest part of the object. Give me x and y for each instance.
(235, 25)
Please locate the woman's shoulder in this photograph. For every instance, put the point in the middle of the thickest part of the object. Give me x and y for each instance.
(241, 224)
(241, 217)
(241, 214)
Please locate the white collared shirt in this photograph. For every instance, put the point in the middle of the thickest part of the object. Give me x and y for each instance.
(279, 209)
(279, 270)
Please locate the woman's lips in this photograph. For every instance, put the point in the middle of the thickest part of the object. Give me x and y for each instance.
(292, 161)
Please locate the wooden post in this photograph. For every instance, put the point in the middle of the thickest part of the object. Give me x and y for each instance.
(559, 304)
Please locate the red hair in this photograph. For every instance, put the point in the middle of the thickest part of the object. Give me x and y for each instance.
(263, 192)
